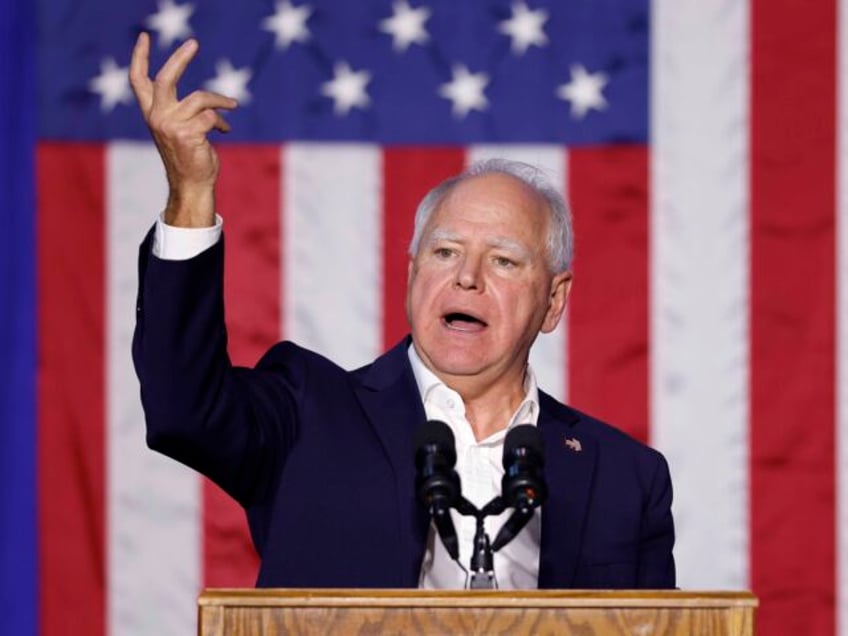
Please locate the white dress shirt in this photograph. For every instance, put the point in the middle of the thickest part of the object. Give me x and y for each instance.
(479, 464)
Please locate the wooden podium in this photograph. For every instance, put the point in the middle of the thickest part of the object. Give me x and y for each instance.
(640, 613)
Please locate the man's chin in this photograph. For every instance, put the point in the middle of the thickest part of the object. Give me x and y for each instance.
(457, 366)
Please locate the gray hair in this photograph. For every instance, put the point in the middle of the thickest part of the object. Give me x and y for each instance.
(560, 242)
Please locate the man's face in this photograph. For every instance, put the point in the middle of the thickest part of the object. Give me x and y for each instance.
(481, 287)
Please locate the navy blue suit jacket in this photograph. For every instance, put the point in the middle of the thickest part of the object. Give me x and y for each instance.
(322, 458)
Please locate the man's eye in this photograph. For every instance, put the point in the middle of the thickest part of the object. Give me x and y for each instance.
(443, 252)
(503, 261)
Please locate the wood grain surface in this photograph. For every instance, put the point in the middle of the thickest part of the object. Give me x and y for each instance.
(671, 613)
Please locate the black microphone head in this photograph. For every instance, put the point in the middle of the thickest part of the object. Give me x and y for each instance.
(436, 483)
(524, 439)
(435, 456)
(435, 435)
(523, 484)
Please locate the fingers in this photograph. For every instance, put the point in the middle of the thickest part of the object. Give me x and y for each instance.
(139, 72)
(207, 121)
(165, 84)
(202, 100)
(190, 132)
(210, 120)
(198, 111)
(221, 123)
(165, 115)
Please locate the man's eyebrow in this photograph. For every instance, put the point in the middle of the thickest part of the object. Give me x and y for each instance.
(443, 235)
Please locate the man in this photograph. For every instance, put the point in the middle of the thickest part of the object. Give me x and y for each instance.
(321, 458)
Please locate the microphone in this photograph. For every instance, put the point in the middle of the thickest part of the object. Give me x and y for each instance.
(523, 486)
(437, 483)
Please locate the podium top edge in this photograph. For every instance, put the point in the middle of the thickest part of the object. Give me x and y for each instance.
(279, 597)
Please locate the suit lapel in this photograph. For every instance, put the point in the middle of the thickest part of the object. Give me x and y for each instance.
(570, 459)
(389, 396)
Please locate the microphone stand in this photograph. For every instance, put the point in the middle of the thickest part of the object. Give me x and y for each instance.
(482, 573)
(482, 576)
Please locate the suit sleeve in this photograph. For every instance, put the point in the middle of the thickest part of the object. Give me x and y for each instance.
(232, 424)
(656, 561)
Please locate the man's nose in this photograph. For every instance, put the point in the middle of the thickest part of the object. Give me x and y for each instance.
(468, 275)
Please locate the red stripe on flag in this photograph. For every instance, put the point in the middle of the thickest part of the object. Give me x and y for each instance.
(608, 314)
(792, 315)
(408, 174)
(248, 194)
(71, 382)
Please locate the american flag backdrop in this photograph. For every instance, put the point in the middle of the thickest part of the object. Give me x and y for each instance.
(703, 147)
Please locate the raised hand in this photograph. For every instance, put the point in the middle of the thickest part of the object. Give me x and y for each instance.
(180, 129)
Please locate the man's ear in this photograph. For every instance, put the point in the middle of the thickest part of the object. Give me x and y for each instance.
(560, 287)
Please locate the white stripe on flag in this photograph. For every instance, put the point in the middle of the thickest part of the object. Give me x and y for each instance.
(699, 281)
(842, 322)
(332, 246)
(153, 548)
(548, 356)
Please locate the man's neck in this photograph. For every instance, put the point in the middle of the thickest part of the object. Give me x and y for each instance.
(488, 405)
(488, 416)
(490, 402)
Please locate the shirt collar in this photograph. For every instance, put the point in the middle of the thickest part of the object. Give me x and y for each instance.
(427, 381)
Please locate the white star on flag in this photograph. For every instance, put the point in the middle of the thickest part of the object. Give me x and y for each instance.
(288, 24)
(230, 81)
(406, 26)
(525, 27)
(113, 85)
(583, 91)
(171, 22)
(465, 90)
(347, 88)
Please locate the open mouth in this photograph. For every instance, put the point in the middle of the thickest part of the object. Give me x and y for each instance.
(463, 322)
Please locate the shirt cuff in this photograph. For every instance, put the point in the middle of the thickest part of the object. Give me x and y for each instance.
(182, 243)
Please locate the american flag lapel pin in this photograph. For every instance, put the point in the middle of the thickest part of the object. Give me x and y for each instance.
(574, 444)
